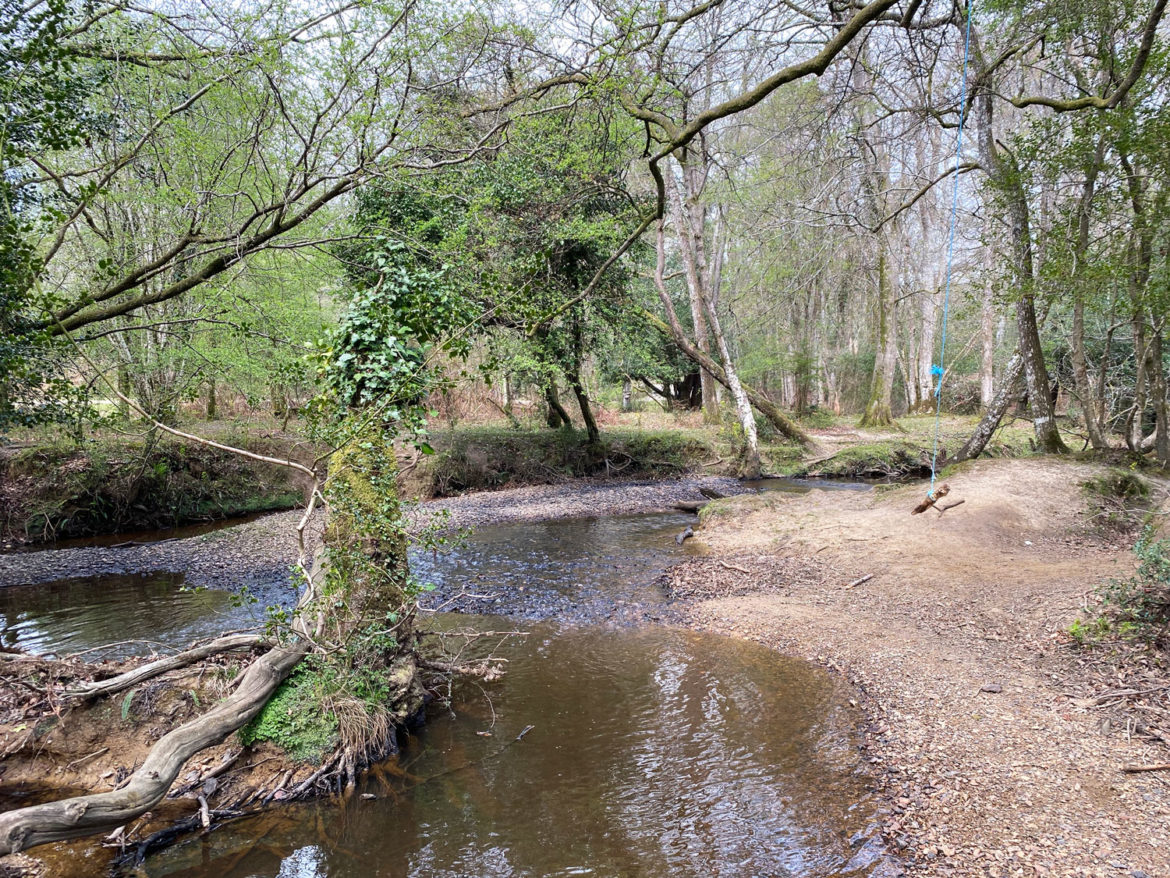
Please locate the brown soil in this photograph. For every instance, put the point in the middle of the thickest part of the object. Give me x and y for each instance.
(997, 759)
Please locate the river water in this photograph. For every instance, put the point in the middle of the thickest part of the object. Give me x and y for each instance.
(610, 748)
(650, 752)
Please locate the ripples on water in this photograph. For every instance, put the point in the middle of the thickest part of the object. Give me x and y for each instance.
(653, 752)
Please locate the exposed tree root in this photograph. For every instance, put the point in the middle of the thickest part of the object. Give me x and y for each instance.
(153, 669)
(23, 828)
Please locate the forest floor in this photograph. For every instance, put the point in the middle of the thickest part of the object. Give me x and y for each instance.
(1002, 745)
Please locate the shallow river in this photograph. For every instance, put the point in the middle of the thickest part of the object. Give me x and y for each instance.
(649, 751)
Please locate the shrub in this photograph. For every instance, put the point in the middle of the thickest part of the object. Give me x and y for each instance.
(1140, 604)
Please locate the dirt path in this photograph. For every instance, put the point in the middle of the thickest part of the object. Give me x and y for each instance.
(995, 764)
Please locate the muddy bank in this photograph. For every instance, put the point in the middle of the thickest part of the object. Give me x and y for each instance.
(999, 754)
(63, 490)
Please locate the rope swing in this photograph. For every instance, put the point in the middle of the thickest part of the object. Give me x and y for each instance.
(937, 370)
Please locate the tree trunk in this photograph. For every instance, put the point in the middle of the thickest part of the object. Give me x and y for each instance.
(627, 394)
(1005, 177)
(125, 389)
(987, 358)
(1084, 387)
(1010, 388)
(509, 397)
(557, 416)
(691, 229)
(211, 410)
(1158, 382)
(1134, 428)
(762, 404)
(1044, 424)
(877, 410)
(591, 427)
(1093, 416)
(751, 459)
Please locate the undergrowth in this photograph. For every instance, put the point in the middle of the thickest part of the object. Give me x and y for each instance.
(893, 458)
(1117, 500)
(1136, 607)
(64, 489)
(485, 458)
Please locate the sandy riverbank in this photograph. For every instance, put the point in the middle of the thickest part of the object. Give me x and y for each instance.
(998, 757)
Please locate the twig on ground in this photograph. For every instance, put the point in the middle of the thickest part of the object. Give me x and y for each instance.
(727, 566)
(77, 763)
(1134, 769)
(860, 580)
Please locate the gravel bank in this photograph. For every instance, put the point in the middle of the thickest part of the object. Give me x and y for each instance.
(258, 554)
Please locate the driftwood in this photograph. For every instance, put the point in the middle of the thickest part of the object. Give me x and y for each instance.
(23, 828)
(690, 505)
(169, 663)
(685, 535)
(931, 500)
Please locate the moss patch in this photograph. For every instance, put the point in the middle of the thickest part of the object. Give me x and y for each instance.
(293, 719)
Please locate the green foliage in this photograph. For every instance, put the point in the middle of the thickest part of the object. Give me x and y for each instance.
(1140, 604)
(293, 718)
(380, 351)
(1086, 632)
(43, 94)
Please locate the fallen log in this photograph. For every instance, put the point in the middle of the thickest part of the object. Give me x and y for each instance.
(23, 828)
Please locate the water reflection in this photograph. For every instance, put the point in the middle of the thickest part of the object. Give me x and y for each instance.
(653, 752)
(72, 615)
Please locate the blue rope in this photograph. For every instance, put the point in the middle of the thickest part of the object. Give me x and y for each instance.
(937, 370)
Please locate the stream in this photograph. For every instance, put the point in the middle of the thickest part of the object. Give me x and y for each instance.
(649, 750)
